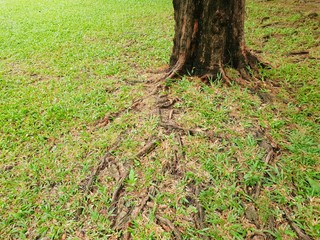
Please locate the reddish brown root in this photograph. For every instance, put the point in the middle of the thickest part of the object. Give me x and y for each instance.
(249, 71)
(168, 223)
(300, 232)
(172, 73)
(177, 68)
(254, 61)
(225, 77)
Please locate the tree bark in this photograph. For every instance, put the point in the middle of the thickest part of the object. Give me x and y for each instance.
(209, 35)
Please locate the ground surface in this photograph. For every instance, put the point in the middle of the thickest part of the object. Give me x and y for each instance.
(94, 145)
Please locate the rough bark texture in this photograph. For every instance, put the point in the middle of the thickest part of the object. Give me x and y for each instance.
(209, 34)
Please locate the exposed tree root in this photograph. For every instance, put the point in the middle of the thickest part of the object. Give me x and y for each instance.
(252, 215)
(177, 68)
(270, 24)
(269, 158)
(102, 165)
(148, 195)
(200, 213)
(199, 217)
(254, 61)
(149, 147)
(110, 117)
(122, 223)
(252, 211)
(182, 151)
(172, 126)
(113, 209)
(225, 77)
(122, 212)
(272, 151)
(168, 223)
(166, 103)
(175, 166)
(87, 184)
(301, 234)
(115, 199)
(249, 75)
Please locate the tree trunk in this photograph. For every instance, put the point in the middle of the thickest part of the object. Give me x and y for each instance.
(209, 35)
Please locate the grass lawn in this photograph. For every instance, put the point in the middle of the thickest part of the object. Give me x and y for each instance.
(85, 153)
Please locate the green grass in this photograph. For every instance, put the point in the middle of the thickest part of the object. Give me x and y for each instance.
(64, 65)
(57, 58)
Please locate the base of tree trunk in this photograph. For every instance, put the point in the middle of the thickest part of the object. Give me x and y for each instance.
(249, 73)
(209, 38)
